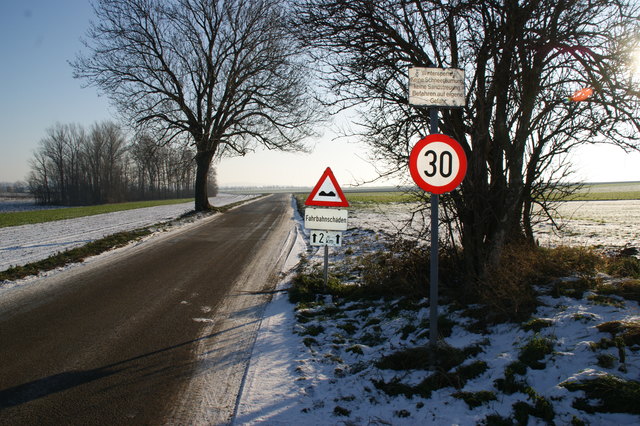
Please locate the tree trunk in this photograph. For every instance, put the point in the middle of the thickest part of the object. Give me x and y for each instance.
(203, 162)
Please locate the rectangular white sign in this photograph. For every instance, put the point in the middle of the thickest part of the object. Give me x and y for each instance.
(436, 87)
(325, 238)
(325, 219)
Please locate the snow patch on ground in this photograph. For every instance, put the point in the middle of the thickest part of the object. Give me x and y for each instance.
(24, 244)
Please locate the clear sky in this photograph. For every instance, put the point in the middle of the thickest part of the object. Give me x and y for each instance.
(38, 37)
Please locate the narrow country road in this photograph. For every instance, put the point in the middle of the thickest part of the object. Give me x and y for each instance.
(156, 334)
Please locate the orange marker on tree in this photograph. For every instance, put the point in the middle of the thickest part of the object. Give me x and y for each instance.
(581, 95)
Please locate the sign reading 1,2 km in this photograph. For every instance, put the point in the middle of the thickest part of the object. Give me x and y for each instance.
(438, 164)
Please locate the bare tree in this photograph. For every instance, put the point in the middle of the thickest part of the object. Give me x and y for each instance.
(57, 164)
(39, 178)
(226, 73)
(522, 60)
(106, 157)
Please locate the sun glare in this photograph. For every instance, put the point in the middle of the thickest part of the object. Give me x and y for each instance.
(635, 64)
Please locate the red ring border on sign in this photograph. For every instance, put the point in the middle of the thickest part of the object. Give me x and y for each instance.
(413, 163)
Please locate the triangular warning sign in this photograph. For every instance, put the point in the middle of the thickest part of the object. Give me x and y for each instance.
(327, 192)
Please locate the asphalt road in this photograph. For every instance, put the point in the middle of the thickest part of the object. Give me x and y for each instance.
(155, 334)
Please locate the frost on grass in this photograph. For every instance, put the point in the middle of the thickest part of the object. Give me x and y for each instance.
(365, 358)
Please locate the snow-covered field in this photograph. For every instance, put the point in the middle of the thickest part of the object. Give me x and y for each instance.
(325, 371)
(318, 366)
(606, 224)
(20, 245)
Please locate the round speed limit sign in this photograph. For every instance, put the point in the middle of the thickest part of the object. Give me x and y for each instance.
(438, 164)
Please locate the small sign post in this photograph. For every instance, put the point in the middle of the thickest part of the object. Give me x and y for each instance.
(325, 224)
(437, 162)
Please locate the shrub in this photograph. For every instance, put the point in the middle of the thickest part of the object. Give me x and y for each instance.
(401, 269)
(534, 351)
(607, 394)
(443, 357)
(629, 289)
(574, 287)
(623, 266)
(506, 287)
(340, 411)
(306, 286)
(536, 324)
(628, 331)
(475, 399)
(567, 261)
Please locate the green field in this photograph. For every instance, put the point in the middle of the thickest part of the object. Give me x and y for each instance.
(40, 216)
(380, 197)
(370, 197)
(608, 191)
(588, 192)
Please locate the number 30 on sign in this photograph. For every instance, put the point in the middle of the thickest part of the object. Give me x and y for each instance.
(438, 164)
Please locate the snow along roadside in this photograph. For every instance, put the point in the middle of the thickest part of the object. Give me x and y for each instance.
(24, 244)
(268, 385)
(229, 334)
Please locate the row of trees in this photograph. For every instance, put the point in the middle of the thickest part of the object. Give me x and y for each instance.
(78, 166)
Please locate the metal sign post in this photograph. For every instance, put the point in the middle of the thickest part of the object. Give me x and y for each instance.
(438, 165)
(435, 242)
(437, 162)
(324, 224)
(326, 267)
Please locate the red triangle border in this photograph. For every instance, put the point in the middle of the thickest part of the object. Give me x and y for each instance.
(343, 200)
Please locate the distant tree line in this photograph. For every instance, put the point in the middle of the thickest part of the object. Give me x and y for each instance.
(13, 187)
(78, 166)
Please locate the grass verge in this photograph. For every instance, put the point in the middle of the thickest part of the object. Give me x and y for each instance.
(606, 394)
(74, 255)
